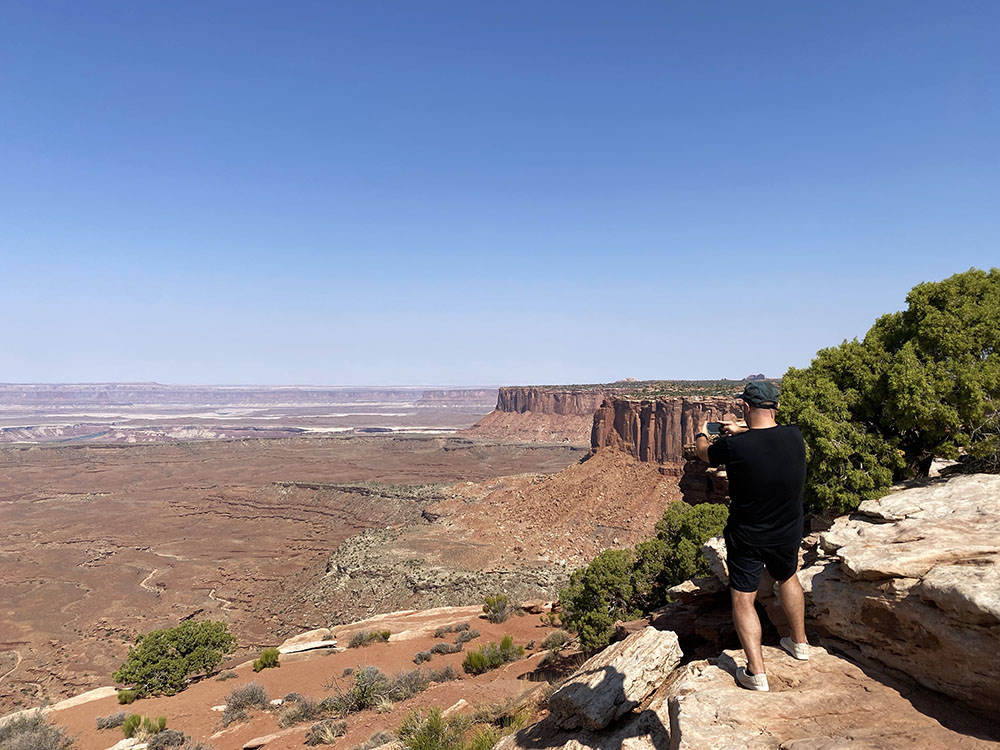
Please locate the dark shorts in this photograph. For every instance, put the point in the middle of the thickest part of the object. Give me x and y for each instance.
(746, 561)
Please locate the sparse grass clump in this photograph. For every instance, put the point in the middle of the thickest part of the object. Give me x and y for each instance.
(298, 710)
(498, 608)
(142, 727)
(32, 732)
(241, 700)
(326, 732)
(227, 675)
(376, 740)
(367, 637)
(433, 731)
(492, 655)
(111, 721)
(447, 674)
(126, 696)
(268, 659)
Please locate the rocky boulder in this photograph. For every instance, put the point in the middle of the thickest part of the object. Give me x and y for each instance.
(616, 680)
(913, 580)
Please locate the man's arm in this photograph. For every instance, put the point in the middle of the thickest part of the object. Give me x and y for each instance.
(701, 442)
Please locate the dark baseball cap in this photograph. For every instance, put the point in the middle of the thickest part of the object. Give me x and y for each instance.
(760, 394)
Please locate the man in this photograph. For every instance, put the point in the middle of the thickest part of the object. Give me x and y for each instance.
(766, 466)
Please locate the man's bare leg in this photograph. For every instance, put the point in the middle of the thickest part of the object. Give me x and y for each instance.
(748, 628)
(793, 602)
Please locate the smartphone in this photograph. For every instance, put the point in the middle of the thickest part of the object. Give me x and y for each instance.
(714, 428)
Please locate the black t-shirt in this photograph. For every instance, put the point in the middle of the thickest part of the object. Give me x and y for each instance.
(767, 471)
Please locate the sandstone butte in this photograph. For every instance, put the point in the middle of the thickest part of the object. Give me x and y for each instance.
(903, 619)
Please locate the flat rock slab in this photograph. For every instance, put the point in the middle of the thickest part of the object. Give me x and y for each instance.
(616, 680)
(826, 703)
(308, 641)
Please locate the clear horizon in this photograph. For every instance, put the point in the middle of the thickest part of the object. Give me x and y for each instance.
(246, 194)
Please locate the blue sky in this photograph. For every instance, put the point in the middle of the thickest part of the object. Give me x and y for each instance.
(464, 193)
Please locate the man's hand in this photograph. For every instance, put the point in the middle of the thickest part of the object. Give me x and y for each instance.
(733, 428)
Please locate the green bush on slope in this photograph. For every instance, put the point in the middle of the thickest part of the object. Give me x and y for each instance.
(624, 584)
(923, 382)
(162, 660)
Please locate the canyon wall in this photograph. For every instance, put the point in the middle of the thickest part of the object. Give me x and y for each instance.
(656, 430)
(557, 415)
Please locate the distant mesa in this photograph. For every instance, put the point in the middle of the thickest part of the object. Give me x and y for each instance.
(758, 376)
(566, 413)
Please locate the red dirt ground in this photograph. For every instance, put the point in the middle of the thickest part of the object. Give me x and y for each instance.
(307, 673)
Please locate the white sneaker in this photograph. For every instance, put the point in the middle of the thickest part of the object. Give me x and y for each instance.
(752, 681)
(798, 650)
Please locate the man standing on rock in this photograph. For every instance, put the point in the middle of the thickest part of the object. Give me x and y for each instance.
(766, 466)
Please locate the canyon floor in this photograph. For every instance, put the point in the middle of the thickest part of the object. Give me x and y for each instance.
(103, 542)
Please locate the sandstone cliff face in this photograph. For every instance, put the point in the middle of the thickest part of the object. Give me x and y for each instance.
(547, 401)
(657, 430)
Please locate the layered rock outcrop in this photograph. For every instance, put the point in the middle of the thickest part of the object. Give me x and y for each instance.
(657, 430)
(913, 581)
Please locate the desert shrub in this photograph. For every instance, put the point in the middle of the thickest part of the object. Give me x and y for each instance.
(923, 382)
(483, 738)
(444, 630)
(497, 608)
(111, 721)
(268, 659)
(445, 648)
(372, 687)
(556, 640)
(529, 645)
(367, 637)
(166, 739)
(623, 584)
(32, 732)
(227, 675)
(421, 657)
(492, 655)
(465, 636)
(162, 660)
(447, 674)
(550, 620)
(348, 671)
(300, 710)
(241, 700)
(126, 696)
(326, 732)
(432, 731)
(376, 740)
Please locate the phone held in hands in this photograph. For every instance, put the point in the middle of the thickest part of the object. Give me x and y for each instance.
(714, 428)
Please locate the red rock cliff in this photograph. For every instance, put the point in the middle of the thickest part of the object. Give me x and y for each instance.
(548, 401)
(657, 430)
(541, 415)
